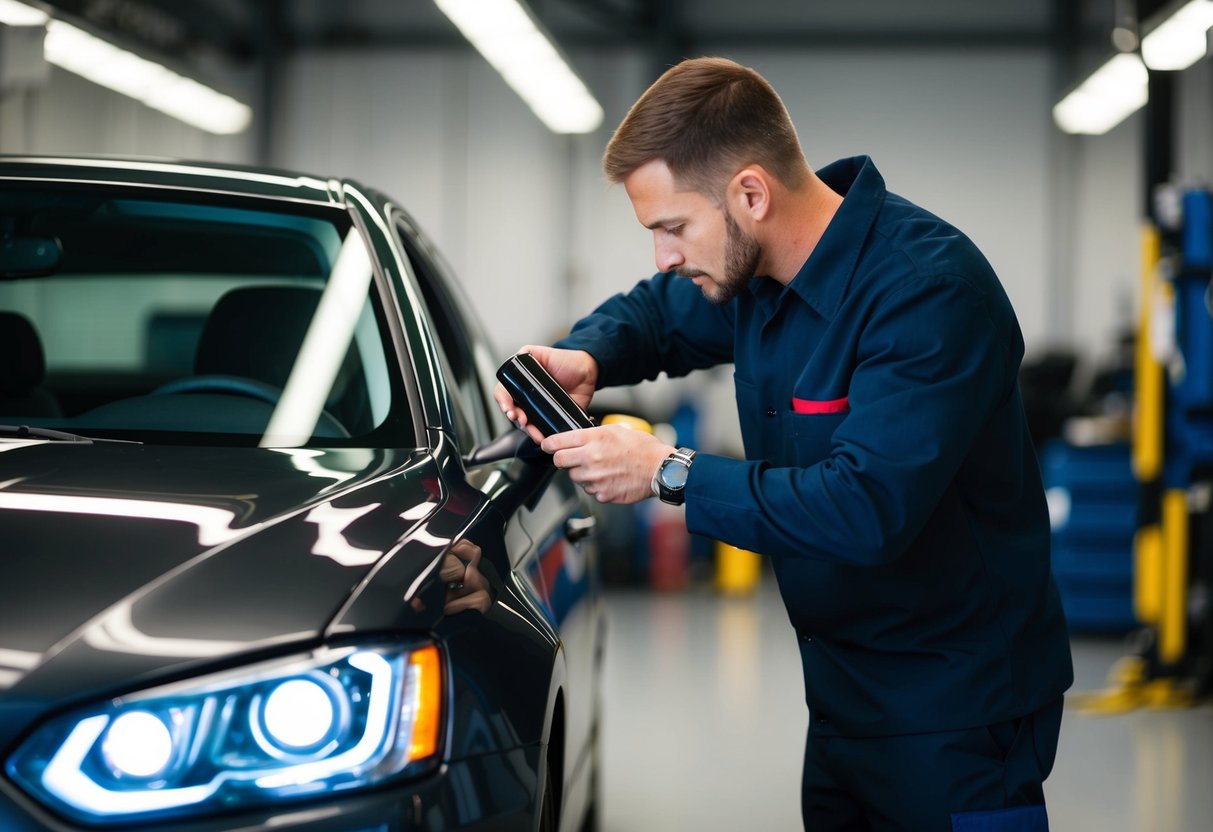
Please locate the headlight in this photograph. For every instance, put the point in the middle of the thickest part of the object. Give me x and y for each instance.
(337, 719)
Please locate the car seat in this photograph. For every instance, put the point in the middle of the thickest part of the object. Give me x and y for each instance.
(22, 370)
(255, 332)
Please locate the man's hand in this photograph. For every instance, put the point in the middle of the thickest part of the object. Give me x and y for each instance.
(574, 370)
(612, 463)
(466, 588)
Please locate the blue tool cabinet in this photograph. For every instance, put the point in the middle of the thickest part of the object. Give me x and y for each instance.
(1093, 508)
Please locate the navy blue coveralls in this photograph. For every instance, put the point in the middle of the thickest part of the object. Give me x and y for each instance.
(890, 477)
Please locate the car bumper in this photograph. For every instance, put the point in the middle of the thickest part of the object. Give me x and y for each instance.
(494, 791)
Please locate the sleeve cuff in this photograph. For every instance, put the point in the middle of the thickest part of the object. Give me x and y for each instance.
(603, 351)
(707, 491)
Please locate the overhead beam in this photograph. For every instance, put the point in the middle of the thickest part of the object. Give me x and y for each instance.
(700, 40)
(169, 27)
(624, 21)
(889, 39)
(211, 25)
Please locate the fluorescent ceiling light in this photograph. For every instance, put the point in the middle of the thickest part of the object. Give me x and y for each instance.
(1182, 39)
(101, 62)
(13, 13)
(1113, 92)
(510, 40)
(157, 86)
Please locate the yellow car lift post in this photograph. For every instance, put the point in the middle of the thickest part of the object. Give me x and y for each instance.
(1161, 542)
(1154, 676)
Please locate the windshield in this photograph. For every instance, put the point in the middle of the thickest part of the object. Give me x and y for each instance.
(191, 320)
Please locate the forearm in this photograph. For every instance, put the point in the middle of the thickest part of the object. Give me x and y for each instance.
(662, 325)
(819, 512)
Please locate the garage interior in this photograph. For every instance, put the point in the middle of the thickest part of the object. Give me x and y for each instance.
(957, 102)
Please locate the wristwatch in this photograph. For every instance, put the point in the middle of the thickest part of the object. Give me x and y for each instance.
(670, 481)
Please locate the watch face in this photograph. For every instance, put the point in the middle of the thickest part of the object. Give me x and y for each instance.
(674, 474)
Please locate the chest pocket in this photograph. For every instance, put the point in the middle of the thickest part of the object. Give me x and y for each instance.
(809, 437)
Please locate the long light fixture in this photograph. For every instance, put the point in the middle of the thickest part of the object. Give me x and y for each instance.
(1182, 39)
(13, 13)
(509, 38)
(1113, 92)
(157, 86)
(1121, 86)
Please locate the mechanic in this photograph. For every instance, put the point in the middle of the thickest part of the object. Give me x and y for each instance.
(889, 474)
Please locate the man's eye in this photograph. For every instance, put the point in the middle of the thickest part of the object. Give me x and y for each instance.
(674, 230)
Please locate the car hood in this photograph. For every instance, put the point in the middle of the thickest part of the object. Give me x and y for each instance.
(121, 563)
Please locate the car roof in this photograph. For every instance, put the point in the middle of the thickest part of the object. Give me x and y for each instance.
(176, 174)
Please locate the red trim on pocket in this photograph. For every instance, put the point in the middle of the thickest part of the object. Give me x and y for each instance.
(810, 406)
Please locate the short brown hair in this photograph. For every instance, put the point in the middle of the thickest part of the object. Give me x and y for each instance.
(706, 118)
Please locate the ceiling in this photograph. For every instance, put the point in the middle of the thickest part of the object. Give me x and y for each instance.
(261, 32)
(237, 28)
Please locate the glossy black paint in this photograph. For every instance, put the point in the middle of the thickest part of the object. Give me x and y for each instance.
(125, 566)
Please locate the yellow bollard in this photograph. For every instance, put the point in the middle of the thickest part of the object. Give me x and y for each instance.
(1173, 617)
(737, 571)
(633, 422)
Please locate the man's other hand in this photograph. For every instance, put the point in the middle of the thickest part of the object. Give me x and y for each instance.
(574, 370)
(612, 463)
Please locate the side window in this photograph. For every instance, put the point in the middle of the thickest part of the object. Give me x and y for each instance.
(472, 413)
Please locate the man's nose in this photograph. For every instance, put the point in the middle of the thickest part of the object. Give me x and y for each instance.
(668, 256)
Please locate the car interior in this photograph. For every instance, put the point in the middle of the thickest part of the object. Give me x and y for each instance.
(132, 315)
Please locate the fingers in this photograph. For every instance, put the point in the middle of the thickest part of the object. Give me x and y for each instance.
(479, 600)
(611, 463)
(506, 403)
(515, 414)
(470, 591)
(452, 569)
(574, 370)
(458, 563)
(567, 439)
(570, 449)
(465, 551)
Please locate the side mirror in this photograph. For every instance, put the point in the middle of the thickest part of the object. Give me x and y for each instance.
(516, 443)
(509, 445)
(29, 256)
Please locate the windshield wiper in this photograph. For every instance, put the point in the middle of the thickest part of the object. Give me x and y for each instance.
(26, 432)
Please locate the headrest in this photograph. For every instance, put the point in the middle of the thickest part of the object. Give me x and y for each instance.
(256, 332)
(23, 365)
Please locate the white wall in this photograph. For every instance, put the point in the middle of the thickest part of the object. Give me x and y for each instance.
(508, 202)
(521, 213)
(962, 134)
(1108, 177)
(69, 115)
(1194, 124)
(1106, 242)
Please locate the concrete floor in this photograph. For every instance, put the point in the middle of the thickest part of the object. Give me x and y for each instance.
(705, 724)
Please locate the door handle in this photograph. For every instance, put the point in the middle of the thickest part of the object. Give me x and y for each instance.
(579, 528)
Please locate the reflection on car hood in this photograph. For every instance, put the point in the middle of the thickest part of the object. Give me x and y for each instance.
(120, 562)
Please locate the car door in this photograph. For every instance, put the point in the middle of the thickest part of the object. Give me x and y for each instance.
(560, 564)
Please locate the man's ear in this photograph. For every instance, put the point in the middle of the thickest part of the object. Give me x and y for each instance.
(749, 192)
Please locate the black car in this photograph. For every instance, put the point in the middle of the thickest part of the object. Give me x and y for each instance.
(270, 556)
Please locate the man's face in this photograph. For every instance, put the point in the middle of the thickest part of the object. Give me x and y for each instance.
(692, 235)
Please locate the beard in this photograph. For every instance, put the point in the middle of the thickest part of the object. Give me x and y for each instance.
(741, 255)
